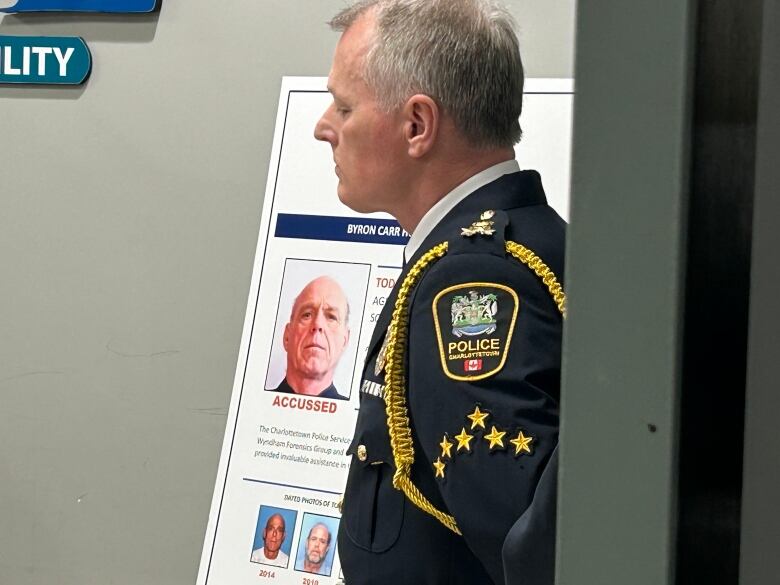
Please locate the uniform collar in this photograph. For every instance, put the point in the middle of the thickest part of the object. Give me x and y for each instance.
(442, 207)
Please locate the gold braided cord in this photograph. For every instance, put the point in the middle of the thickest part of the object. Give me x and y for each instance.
(395, 394)
(395, 380)
(541, 270)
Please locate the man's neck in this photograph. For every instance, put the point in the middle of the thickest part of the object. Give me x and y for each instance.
(270, 554)
(441, 177)
(311, 567)
(308, 386)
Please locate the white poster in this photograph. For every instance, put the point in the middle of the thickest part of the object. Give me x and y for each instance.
(274, 515)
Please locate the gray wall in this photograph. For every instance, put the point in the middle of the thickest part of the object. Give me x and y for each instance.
(760, 564)
(625, 291)
(129, 211)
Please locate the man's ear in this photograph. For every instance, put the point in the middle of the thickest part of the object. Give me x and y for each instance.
(285, 339)
(421, 124)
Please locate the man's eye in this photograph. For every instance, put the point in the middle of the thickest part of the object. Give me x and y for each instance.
(343, 111)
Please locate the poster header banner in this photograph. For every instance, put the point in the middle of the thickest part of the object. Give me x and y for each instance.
(123, 6)
(340, 229)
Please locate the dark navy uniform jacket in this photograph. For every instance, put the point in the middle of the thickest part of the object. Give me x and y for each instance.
(490, 482)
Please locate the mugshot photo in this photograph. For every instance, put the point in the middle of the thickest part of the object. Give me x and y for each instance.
(273, 536)
(317, 544)
(318, 321)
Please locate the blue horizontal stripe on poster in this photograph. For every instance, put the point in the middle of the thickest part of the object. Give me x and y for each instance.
(340, 229)
(77, 5)
(44, 60)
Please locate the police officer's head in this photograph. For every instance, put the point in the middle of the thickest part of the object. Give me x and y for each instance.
(417, 84)
(316, 335)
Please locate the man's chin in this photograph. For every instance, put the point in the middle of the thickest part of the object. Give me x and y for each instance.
(352, 201)
(315, 374)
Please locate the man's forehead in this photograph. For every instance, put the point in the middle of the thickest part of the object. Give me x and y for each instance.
(351, 51)
(328, 296)
(316, 303)
(321, 289)
(344, 73)
(319, 531)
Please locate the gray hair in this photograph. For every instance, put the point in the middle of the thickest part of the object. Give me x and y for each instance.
(462, 53)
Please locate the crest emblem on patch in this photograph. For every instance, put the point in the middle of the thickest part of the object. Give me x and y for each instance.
(474, 322)
(474, 314)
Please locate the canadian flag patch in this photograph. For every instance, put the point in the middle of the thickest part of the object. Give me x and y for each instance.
(474, 365)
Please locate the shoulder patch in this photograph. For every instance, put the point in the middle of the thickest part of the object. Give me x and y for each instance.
(474, 323)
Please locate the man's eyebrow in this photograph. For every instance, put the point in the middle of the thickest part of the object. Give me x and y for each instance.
(335, 93)
(334, 309)
(306, 305)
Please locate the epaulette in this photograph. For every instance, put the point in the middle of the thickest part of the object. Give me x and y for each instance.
(486, 234)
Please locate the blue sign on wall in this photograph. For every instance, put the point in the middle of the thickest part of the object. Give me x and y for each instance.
(44, 60)
(77, 5)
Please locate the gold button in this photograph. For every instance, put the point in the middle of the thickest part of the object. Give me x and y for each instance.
(340, 504)
(362, 453)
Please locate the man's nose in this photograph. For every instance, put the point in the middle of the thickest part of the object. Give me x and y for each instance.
(323, 129)
(318, 323)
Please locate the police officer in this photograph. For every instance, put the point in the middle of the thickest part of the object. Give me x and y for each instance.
(451, 478)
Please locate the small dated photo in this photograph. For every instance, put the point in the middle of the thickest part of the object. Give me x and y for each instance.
(273, 536)
(317, 544)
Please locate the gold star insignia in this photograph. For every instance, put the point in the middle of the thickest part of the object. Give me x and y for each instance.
(446, 447)
(477, 418)
(487, 214)
(463, 440)
(496, 438)
(521, 443)
(439, 466)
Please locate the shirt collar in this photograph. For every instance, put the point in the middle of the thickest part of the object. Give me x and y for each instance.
(443, 206)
